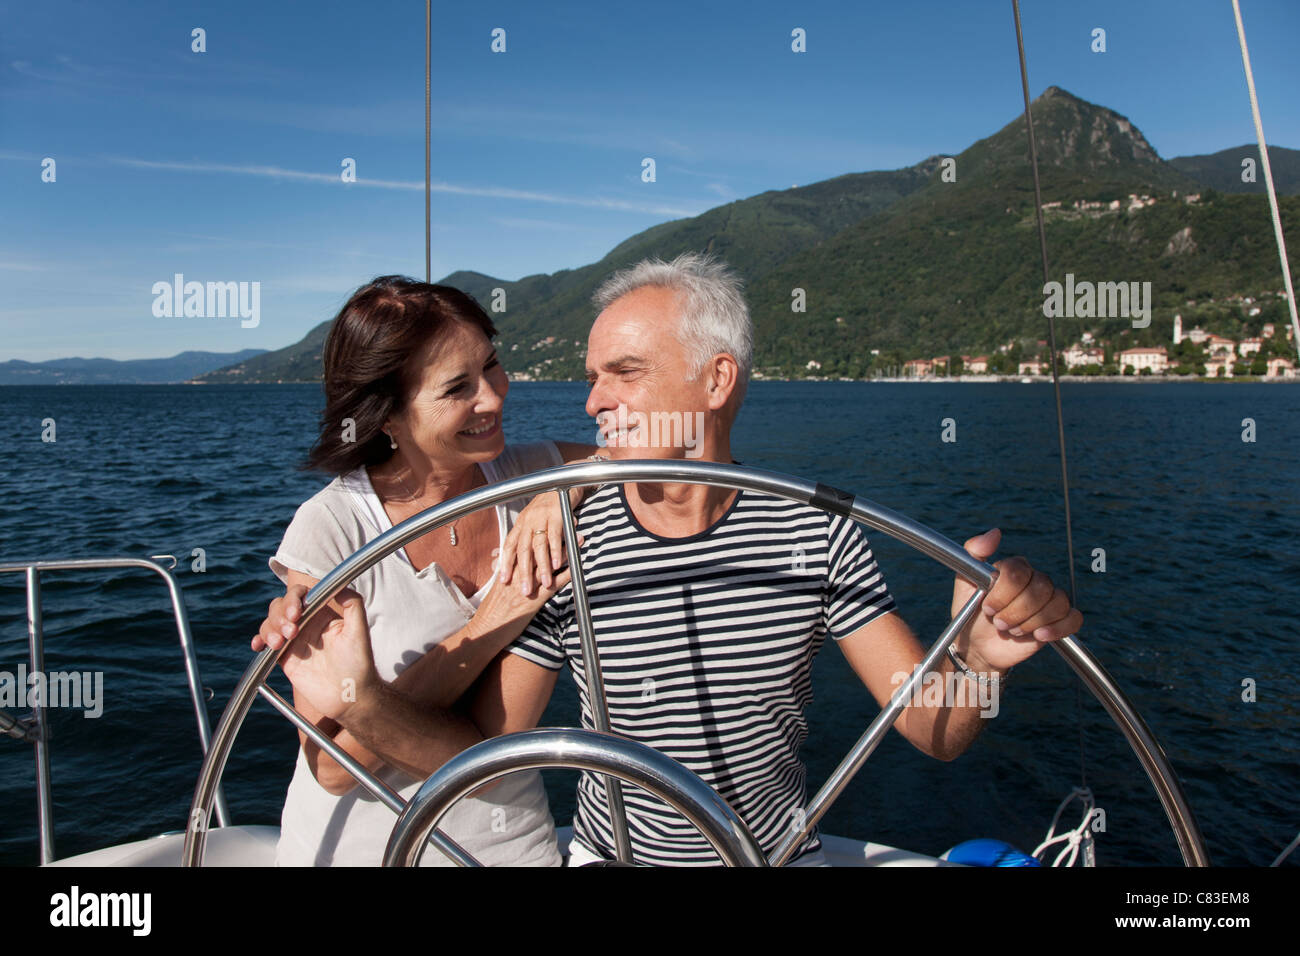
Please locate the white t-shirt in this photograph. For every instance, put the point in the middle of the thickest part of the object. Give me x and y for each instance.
(409, 612)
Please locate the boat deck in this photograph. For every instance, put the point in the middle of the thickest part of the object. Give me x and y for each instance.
(255, 846)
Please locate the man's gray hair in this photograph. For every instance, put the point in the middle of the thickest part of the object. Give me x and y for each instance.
(714, 317)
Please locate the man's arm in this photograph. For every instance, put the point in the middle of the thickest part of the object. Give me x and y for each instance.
(1022, 612)
(512, 696)
(883, 654)
(399, 722)
(436, 680)
(382, 719)
(281, 624)
(406, 724)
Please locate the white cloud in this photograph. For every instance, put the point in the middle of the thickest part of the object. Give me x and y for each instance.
(488, 192)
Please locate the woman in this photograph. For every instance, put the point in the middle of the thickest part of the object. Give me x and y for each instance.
(414, 394)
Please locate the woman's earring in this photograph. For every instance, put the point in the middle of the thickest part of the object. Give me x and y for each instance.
(392, 441)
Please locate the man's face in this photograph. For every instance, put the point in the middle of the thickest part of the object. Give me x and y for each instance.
(635, 360)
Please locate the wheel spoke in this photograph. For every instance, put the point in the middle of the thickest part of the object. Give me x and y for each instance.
(380, 790)
(875, 733)
(595, 679)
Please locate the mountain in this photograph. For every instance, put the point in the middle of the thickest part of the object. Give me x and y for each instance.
(300, 362)
(1223, 170)
(753, 235)
(956, 266)
(100, 371)
(935, 257)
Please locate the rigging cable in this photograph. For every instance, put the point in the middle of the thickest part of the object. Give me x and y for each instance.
(1287, 852)
(428, 137)
(1056, 381)
(1072, 840)
(1268, 176)
(1277, 232)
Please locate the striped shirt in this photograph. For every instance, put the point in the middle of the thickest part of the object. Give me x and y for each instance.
(706, 645)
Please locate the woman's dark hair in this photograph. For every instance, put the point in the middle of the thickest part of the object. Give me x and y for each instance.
(368, 359)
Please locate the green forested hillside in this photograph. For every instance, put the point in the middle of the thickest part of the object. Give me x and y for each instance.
(300, 362)
(956, 267)
(1223, 170)
(938, 257)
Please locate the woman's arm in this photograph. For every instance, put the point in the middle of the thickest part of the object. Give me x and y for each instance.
(281, 626)
(433, 683)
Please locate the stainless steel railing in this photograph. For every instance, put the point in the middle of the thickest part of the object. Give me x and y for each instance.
(563, 747)
(936, 546)
(35, 729)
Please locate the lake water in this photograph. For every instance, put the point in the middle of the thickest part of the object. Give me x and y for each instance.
(1200, 529)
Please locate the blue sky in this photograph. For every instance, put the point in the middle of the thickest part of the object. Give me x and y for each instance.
(225, 165)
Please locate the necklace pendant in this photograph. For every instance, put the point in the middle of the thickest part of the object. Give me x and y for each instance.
(453, 537)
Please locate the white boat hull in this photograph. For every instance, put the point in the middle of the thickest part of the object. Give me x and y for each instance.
(255, 846)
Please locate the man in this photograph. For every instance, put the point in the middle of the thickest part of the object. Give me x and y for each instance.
(709, 604)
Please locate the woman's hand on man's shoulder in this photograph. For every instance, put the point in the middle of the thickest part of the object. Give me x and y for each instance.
(533, 551)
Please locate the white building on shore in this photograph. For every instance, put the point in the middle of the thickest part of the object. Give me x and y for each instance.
(1218, 343)
(1219, 367)
(1154, 358)
(1281, 368)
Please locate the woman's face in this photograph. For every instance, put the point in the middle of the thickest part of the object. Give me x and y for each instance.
(453, 417)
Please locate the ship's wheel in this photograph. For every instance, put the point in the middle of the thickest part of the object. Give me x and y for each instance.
(618, 759)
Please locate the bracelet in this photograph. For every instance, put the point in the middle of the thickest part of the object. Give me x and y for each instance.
(975, 675)
(597, 458)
